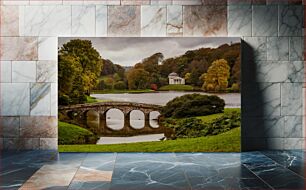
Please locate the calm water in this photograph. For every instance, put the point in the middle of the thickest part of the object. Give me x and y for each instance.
(232, 100)
(115, 118)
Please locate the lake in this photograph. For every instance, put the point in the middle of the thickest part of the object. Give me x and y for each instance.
(232, 100)
(115, 117)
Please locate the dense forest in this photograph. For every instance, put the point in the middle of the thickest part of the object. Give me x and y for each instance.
(82, 69)
(155, 69)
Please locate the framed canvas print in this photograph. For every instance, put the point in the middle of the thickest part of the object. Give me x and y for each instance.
(132, 94)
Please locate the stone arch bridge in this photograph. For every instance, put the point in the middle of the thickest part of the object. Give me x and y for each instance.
(93, 116)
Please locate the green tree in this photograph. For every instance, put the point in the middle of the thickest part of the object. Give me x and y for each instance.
(187, 78)
(216, 78)
(138, 79)
(79, 68)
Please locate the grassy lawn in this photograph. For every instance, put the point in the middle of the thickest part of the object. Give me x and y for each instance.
(120, 91)
(176, 87)
(210, 118)
(225, 142)
(90, 99)
(72, 134)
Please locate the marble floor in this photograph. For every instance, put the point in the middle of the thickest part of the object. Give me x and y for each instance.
(49, 170)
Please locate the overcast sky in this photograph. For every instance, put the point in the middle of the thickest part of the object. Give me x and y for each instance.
(128, 51)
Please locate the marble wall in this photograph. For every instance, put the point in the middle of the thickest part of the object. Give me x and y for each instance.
(272, 69)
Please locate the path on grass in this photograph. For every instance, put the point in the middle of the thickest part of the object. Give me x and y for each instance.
(133, 139)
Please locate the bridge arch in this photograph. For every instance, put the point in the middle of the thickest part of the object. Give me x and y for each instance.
(153, 119)
(137, 119)
(115, 118)
(90, 115)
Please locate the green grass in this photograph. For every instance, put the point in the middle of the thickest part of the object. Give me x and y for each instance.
(225, 142)
(210, 118)
(121, 91)
(90, 99)
(73, 134)
(176, 87)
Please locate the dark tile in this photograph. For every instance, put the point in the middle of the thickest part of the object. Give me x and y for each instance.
(271, 172)
(147, 171)
(218, 171)
(293, 160)
(76, 185)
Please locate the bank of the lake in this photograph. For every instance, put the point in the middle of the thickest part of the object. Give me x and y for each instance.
(225, 142)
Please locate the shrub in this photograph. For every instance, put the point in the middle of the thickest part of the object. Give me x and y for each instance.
(193, 105)
(120, 85)
(193, 127)
(72, 134)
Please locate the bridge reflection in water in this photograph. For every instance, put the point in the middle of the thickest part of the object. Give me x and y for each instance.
(114, 118)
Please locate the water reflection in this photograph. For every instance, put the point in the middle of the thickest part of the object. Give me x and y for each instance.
(137, 119)
(115, 119)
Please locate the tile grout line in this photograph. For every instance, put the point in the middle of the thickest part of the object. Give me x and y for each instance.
(277, 164)
(258, 176)
(77, 171)
(115, 161)
(281, 165)
(184, 173)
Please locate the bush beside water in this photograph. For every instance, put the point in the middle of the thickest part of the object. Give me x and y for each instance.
(194, 127)
(191, 105)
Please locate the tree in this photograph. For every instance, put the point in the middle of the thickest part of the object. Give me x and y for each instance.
(187, 78)
(216, 78)
(138, 79)
(79, 68)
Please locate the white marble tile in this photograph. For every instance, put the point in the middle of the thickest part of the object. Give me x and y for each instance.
(161, 2)
(6, 71)
(18, 48)
(9, 21)
(15, 99)
(47, 20)
(48, 143)
(123, 21)
(265, 19)
(291, 20)
(278, 48)
(261, 99)
(83, 20)
(102, 2)
(294, 127)
(272, 71)
(16, 2)
(47, 48)
(294, 143)
(46, 71)
(21, 20)
(239, 21)
(73, 2)
(23, 71)
(175, 20)
(292, 99)
(135, 2)
(296, 49)
(184, 2)
(101, 20)
(46, 2)
(153, 20)
(54, 99)
(296, 71)
(40, 104)
(259, 47)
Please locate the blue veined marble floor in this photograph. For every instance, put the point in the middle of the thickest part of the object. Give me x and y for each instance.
(49, 170)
